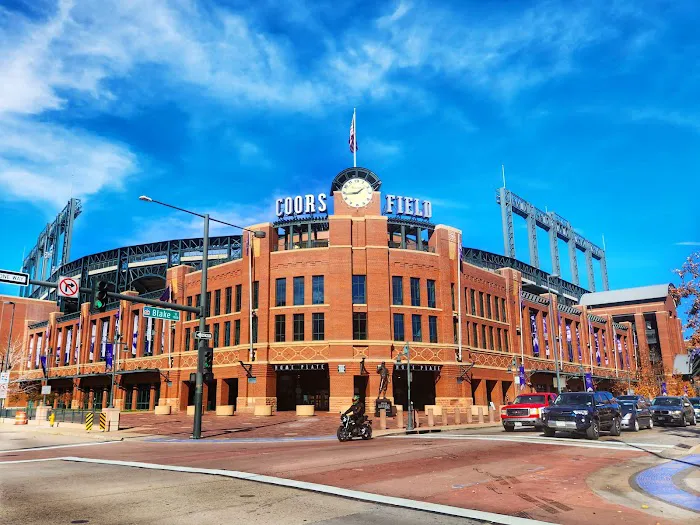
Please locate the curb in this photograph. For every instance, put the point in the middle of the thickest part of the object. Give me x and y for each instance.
(427, 430)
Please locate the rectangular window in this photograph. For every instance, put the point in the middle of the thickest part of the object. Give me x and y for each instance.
(198, 301)
(217, 302)
(256, 290)
(455, 328)
(432, 329)
(317, 289)
(189, 303)
(473, 301)
(187, 338)
(237, 332)
(298, 291)
(227, 333)
(483, 336)
(227, 305)
(318, 327)
(481, 304)
(503, 311)
(255, 329)
(359, 326)
(298, 327)
(488, 305)
(496, 310)
(491, 347)
(280, 328)
(207, 306)
(475, 334)
(499, 344)
(359, 289)
(281, 292)
(431, 294)
(398, 328)
(239, 297)
(415, 291)
(215, 339)
(505, 338)
(452, 292)
(416, 326)
(397, 290)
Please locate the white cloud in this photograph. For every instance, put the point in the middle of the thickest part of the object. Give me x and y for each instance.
(687, 243)
(48, 163)
(675, 118)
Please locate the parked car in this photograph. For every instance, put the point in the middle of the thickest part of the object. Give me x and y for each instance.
(635, 414)
(586, 413)
(525, 411)
(674, 410)
(695, 401)
(635, 398)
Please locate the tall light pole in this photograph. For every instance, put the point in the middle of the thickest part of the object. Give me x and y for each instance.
(556, 336)
(202, 344)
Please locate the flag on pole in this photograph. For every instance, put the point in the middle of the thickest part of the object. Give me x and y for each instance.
(166, 294)
(352, 141)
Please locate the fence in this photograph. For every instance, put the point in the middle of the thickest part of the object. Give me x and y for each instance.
(67, 415)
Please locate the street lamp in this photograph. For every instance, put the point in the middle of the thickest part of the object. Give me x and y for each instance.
(556, 334)
(405, 352)
(6, 363)
(202, 345)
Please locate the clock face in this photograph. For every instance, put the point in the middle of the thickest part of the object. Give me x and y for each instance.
(357, 192)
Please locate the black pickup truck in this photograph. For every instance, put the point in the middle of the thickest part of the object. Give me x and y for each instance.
(583, 412)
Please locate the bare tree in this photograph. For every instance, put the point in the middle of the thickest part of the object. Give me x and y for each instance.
(689, 292)
(18, 386)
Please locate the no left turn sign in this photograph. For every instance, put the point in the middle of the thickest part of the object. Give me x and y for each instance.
(68, 287)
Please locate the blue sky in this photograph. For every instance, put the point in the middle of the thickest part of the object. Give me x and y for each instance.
(223, 107)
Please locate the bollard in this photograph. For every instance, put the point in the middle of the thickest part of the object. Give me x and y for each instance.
(431, 419)
(382, 419)
(480, 414)
(89, 417)
(458, 416)
(103, 422)
(52, 418)
(492, 415)
(399, 417)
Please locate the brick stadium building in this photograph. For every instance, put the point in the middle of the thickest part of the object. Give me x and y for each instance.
(307, 313)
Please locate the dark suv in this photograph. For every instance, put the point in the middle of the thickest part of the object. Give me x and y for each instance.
(583, 412)
(674, 410)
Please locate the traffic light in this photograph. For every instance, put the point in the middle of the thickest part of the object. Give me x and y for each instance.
(99, 296)
(208, 363)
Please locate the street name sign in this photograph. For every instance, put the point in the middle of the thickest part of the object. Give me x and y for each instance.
(161, 313)
(46, 390)
(69, 287)
(202, 335)
(10, 277)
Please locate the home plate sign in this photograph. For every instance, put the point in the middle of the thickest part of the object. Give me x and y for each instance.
(69, 287)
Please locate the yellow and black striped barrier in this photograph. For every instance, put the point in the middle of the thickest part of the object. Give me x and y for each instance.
(103, 421)
(89, 417)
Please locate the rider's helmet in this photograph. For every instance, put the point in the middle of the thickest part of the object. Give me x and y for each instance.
(355, 398)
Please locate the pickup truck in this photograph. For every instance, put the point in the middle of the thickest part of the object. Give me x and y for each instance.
(526, 410)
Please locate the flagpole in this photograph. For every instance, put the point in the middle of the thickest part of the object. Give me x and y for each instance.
(354, 150)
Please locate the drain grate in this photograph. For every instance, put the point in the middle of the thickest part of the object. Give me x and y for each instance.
(683, 445)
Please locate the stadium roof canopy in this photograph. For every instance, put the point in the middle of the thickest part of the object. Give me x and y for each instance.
(656, 292)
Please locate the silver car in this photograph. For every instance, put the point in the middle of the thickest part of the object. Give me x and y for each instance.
(695, 401)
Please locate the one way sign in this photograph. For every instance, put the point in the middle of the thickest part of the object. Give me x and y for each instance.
(69, 287)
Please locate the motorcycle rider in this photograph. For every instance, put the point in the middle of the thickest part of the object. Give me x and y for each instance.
(358, 411)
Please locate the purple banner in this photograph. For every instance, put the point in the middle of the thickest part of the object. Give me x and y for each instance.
(535, 340)
(605, 349)
(43, 365)
(523, 379)
(578, 343)
(664, 392)
(545, 332)
(597, 348)
(109, 356)
(619, 352)
(588, 382)
(569, 346)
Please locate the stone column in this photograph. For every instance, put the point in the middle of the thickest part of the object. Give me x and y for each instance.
(134, 396)
(91, 399)
(152, 398)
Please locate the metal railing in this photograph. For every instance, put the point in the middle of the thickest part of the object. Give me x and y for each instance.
(67, 415)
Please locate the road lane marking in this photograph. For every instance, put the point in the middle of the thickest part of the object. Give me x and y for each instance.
(448, 510)
(13, 461)
(658, 482)
(52, 447)
(605, 445)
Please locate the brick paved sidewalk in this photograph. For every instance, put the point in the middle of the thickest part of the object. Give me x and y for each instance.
(280, 425)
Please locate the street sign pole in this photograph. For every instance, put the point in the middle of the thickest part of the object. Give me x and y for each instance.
(201, 347)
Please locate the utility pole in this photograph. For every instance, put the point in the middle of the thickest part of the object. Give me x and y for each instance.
(202, 343)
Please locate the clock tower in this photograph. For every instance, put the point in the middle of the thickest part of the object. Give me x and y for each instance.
(356, 193)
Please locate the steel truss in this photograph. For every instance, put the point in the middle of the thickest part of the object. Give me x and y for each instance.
(557, 228)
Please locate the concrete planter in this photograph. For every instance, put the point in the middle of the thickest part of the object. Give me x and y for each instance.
(262, 410)
(305, 410)
(190, 410)
(224, 410)
(163, 410)
(437, 409)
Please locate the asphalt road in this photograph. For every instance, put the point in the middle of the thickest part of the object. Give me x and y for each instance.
(558, 480)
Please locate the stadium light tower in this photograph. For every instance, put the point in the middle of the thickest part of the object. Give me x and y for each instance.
(202, 344)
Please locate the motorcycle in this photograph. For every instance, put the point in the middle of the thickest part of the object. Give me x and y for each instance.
(348, 430)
